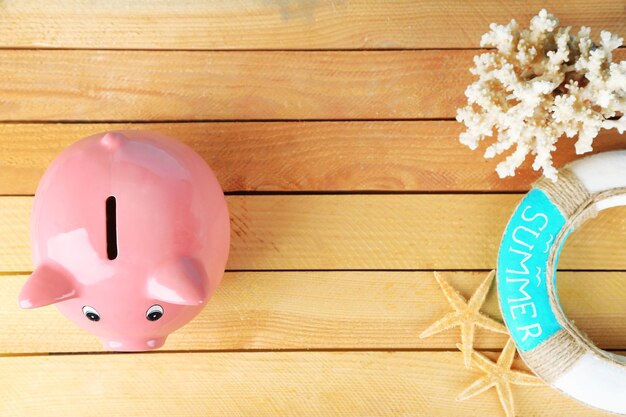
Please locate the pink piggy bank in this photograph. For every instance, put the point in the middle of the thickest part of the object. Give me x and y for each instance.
(129, 234)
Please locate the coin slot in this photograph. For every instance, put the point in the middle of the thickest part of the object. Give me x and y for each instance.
(111, 228)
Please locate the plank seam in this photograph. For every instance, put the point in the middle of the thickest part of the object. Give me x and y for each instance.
(57, 48)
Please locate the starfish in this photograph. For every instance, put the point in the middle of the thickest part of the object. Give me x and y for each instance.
(466, 315)
(499, 375)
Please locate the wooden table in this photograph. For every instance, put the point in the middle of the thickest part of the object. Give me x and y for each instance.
(330, 126)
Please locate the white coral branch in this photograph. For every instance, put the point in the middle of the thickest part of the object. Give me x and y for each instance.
(540, 84)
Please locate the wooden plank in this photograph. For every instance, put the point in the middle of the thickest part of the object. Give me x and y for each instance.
(259, 384)
(298, 156)
(325, 310)
(241, 85)
(365, 232)
(175, 85)
(250, 24)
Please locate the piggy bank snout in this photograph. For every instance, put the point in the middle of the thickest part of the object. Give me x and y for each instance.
(138, 345)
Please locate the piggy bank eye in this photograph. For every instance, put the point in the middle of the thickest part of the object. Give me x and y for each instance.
(154, 313)
(91, 313)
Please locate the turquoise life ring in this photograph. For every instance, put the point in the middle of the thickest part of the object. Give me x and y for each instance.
(526, 277)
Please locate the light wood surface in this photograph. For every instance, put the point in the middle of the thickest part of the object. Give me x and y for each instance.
(286, 24)
(300, 232)
(258, 384)
(236, 85)
(298, 156)
(148, 85)
(330, 125)
(326, 310)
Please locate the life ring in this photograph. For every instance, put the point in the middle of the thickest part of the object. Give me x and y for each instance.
(548, 342)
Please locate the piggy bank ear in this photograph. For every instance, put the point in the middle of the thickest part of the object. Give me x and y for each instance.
(179, 282)
(48, 284)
